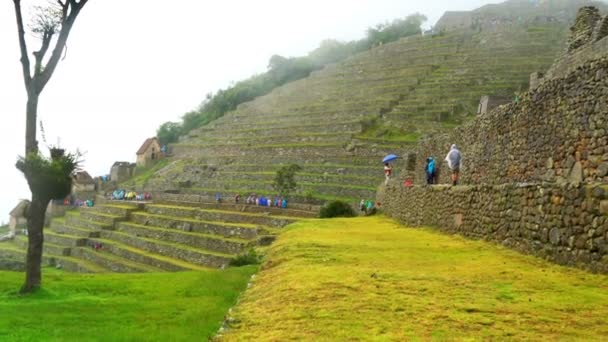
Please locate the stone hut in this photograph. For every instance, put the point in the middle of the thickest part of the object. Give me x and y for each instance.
(83, 182)
(487, 103)
(121, 171)
(149, 152)
(83, 185)
(17, 216)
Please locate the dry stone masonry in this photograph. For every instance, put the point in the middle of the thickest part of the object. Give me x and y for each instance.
(535, 171)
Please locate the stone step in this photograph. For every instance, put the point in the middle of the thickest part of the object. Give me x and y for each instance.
(352, 160)
(204, 241)
(307, 138)
(47, 248)
(112, 262)
(75, 220)
(141, 256)
(332, 170)
(66, 263)
(300, 150)
(265, 188)
(243, 231)
(64, 239)
(116, 209)
(74, 231)
(296, 210)
(220, 215)
(268, 176)
(102, 218)
(171, 250)
(344, 127)
(297, 201)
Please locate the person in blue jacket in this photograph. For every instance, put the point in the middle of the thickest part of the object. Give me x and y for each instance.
(430, 170)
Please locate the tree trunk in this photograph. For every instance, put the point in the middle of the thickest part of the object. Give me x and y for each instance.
(31, 145)
(35, 223)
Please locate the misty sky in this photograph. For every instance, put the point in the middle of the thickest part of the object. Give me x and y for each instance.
(132, 65)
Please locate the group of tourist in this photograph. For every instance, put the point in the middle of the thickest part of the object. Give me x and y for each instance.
(77, 202)
(254, 199)
(453, 159)
(264, 201)
(121, 195)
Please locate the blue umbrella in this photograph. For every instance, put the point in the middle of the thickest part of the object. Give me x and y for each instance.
(389, 158)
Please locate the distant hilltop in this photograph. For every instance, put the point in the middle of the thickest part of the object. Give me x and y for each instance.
(513, 12)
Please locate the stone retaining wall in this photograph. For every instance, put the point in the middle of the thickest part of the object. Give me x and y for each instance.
(534, 172)
(555, 133)
(567, 223)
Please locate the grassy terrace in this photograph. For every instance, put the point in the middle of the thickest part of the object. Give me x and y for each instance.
(372, 279)
(270, 175)
(304, 185)
(297, 197)
(184, 306)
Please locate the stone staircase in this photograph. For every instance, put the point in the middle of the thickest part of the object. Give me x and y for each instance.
(168, 235)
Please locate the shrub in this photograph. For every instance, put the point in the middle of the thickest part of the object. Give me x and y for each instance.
(249, 258)
(336, 209)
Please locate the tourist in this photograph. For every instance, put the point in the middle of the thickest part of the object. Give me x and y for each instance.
(218, 197)
(237, 198)
(453, 159)
(388, 172)
(362, 205)
(430, 170)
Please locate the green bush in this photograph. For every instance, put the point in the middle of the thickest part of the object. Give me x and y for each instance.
(249, 258)
(337, 209)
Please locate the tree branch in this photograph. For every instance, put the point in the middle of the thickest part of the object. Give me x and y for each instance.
(39, 55)
(25, 61)
(67, 21)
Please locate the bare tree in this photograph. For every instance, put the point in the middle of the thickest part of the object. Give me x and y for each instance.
(51, 23)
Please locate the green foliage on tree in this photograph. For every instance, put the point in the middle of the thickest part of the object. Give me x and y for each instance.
(49, 178)
(169, 132)
(390, 32)
(285, 179)
(282, 70)
(337, 209)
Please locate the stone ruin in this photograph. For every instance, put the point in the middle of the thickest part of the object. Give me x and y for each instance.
(535, 172)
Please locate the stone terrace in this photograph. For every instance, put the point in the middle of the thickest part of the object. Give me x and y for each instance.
(168, 235)
(419, 84)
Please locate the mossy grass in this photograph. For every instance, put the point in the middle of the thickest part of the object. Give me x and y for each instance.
(142, 174)
(373, 279)
(183, 306)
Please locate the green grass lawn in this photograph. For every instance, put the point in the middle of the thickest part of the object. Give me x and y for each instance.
(182, 306)
(372, 279)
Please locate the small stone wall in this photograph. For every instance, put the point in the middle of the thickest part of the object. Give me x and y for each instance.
(567, 224)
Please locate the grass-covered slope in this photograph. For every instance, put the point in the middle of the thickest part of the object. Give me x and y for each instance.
(350, 114)
(372, 279)
(186, 306)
